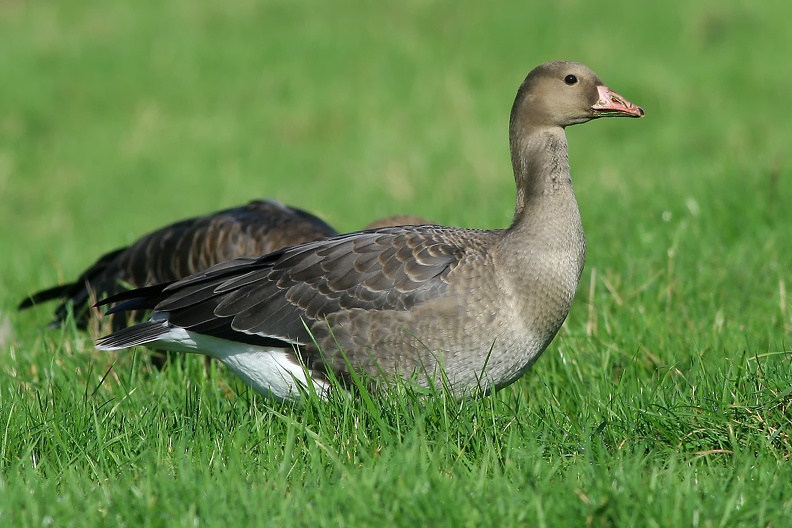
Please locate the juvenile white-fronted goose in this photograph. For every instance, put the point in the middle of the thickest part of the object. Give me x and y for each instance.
(411, 302)
(187, 247)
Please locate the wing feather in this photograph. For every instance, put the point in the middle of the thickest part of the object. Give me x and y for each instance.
(272, 296)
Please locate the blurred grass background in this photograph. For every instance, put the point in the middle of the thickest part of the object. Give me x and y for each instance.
(117, 118)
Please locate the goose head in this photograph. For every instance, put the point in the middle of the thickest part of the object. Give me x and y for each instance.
(563, 93)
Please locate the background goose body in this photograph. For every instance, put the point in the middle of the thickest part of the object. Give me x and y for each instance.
(187, 247)
(412, 302)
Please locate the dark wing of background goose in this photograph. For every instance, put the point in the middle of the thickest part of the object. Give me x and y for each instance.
(179, 250)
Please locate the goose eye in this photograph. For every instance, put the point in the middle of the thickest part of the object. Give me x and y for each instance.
(570, 79)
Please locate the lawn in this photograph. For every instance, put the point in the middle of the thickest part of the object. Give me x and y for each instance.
(666, 399)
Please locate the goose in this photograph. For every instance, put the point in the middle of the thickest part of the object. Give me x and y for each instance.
(471, 309)
(187, 247)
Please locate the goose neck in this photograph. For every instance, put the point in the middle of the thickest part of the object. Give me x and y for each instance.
(541, 168)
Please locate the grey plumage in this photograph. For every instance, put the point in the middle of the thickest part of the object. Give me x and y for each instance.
(412, 302)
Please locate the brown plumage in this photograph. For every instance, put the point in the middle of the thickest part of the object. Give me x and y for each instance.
(186, 247)
(412, 302)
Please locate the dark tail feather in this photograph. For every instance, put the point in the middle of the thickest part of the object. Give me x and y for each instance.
(73, 299)
(139, 334)
(50, 294)
(78, 293)
(146, 298)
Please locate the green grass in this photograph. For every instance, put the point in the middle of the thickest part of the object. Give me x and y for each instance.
(666, 400)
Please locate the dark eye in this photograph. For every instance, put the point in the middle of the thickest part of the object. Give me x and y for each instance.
(570, 80)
